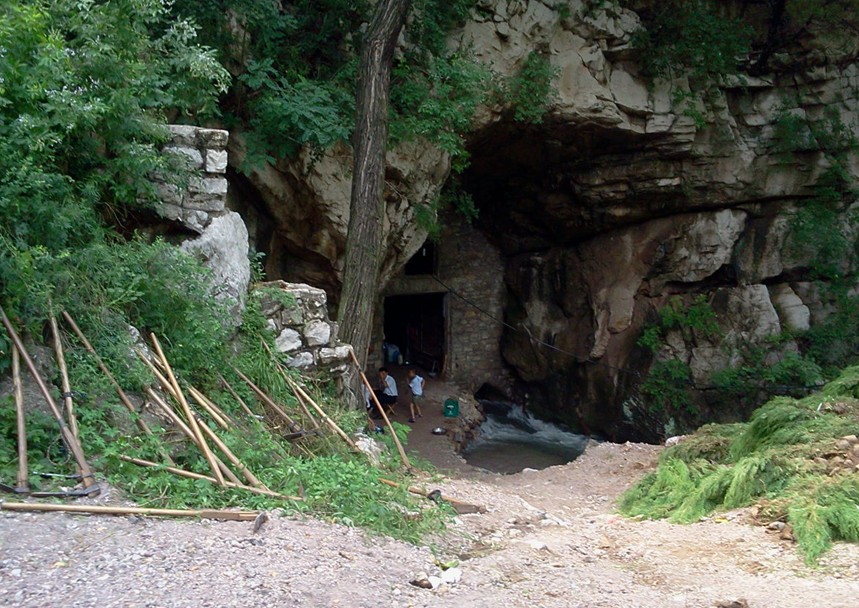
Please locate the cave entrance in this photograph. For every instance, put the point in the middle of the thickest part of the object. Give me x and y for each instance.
(416, 325)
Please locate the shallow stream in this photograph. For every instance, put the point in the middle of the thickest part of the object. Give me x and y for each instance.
(511, 439)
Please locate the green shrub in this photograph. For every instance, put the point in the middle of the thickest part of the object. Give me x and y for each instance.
(667, 387)
(691, 37)
(529, 92)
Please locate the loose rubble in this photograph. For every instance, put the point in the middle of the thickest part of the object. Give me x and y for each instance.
(549, 538)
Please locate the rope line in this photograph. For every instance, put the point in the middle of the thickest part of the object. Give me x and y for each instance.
(528, 333)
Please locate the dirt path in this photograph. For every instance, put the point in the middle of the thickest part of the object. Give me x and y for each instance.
(549, 539)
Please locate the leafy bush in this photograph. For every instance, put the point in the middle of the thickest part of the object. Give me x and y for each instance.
(530, 91)
(666, 387)
(691, 37)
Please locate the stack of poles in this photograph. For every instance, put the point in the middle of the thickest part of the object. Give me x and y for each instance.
(71, 441)
(197, 431)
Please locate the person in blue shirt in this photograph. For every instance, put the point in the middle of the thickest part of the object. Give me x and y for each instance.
(416, 387)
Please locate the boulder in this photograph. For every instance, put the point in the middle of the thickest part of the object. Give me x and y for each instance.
(223, 247)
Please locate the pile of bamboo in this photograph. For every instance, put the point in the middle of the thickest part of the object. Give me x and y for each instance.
(187, 410)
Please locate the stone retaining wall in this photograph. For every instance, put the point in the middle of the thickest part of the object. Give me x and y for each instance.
(298, 314)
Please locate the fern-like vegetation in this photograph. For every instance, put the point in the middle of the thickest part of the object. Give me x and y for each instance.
(776, 460)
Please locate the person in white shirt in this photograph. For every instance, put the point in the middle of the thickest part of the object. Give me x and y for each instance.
(387, 391)
(416, 387)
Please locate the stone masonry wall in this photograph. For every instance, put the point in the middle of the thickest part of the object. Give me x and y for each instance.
(222, 241)
(206, 196)
(473, 268)
(298, 314)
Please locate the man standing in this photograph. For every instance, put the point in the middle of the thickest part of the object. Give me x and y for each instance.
(416, 387)
(387, 391)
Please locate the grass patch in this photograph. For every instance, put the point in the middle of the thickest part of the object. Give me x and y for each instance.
(776, 460)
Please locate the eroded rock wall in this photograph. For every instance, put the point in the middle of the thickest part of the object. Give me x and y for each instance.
(620, 200)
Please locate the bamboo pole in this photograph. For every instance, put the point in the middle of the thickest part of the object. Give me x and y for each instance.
(202, 401)
(138, 420)
(293, 426)
(23, 481)
(183, 403)
(218, 410)
(252, 479)
(71, 442)
(64, 377)
(99, 510)
(325, 417)
(192, 475)
(284, 376)
(460, 506)
(399, 445)
(178, 422)
(235, 395)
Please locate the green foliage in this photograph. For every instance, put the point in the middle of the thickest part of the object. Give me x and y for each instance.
(83, 88)
(43, 445)
(298, 68)
(691, 37)
(667, 387)
(529, 93)
(756, 375)
(437, 101)
(690, 319)
(769, 460)
(452, 196)
(289, 113)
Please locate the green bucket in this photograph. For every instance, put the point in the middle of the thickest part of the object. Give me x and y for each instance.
(451, 408)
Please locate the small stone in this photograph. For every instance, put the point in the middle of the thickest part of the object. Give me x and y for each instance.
(853, 439)
(317, 333)
(301, 361)
(451, 576)
(435, 582)
(216, 161)
(289, 340)
(538, 545)
(777, 526)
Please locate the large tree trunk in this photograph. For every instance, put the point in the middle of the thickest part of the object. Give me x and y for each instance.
(366, 236)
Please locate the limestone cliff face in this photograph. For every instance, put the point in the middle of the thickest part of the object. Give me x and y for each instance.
(615, 203)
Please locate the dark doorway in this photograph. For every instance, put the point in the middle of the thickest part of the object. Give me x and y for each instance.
(416, 325)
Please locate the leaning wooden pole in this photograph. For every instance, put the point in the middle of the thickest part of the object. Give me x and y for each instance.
(71, 442)
(297, 396)
(186, 409)
(325, 417)
(293, 426)
(138, 420)
(23, 481)
(178, 423)
(252, 479)
(98, 510)
(192, 475)
(68, 402)
(399, 445)
(236, 396)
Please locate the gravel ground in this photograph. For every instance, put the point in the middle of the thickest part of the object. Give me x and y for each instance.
(550, 538)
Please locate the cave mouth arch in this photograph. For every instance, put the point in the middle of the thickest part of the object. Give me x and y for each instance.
(542, 191)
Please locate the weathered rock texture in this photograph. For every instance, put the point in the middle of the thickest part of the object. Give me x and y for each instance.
(596, 217)
(298, 314)
(201, 207)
